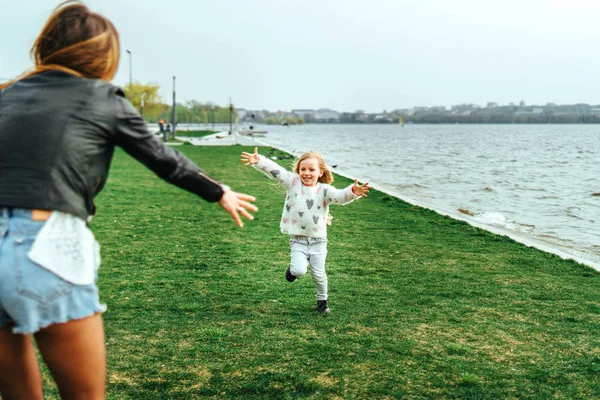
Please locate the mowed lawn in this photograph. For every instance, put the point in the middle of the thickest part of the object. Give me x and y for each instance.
(423, 306)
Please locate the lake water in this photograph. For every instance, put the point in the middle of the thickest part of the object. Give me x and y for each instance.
(536, 183)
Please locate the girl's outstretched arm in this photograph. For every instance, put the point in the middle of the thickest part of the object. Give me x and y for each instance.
(270, 168)
(346, 195)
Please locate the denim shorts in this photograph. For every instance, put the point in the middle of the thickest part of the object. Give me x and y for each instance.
(31, 297)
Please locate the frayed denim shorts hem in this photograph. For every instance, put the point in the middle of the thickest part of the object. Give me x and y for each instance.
(31, 297)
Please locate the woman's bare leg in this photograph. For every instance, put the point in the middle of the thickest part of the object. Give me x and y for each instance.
(75, 353)
(19, 370)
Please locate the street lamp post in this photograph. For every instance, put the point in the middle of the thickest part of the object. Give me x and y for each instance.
(230, 117)
(173, 113)
(130, 77)
(142, 104)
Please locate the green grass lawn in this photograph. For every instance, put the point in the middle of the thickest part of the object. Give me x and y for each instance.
(423, 306)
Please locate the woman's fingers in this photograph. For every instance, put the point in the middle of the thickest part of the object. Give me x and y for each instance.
(245, 197)
(236, 204)
(246, 214)
(237, 219)
(244, 205)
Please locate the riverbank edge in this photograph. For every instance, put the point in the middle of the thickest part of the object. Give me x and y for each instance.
(512, 235)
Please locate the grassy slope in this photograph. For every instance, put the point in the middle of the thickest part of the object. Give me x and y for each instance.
(423, 306)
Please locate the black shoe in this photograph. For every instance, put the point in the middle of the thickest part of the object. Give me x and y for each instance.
(289, 276)
(322, 307)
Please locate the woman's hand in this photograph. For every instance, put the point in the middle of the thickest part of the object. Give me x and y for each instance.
(238, 203)
(249, 158)
(360, 190)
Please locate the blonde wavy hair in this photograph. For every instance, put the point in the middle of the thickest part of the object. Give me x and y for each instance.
(77, 41)
(327, 176)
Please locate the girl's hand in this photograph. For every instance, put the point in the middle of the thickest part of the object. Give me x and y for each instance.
(238, 203)
(360, 190)
(250, 158)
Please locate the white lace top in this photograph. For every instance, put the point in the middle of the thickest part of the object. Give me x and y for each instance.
(67, 247)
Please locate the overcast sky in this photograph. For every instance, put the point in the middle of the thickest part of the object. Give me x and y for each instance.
(346, 55)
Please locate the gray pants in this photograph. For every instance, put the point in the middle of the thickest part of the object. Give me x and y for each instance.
(313, 251)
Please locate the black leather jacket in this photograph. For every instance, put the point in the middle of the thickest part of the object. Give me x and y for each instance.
(57, 138)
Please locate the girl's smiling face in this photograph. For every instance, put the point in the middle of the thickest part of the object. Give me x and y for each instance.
(309, 171)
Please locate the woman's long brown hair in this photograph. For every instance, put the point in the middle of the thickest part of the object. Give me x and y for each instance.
(77, 41)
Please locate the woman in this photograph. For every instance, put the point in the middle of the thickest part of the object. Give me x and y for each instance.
(59, 124)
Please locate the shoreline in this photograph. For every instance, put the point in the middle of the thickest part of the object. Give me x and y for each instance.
(530, 242)
(230, 140)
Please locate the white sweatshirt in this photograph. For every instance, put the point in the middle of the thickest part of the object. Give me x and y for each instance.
(306, 207)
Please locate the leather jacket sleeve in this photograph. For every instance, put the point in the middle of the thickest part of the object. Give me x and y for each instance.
(133, 136)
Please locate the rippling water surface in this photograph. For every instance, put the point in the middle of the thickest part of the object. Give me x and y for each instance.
(540, 181)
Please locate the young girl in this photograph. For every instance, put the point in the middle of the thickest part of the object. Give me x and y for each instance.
(305, 212)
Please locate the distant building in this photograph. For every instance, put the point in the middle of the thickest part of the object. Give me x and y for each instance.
(326, 114)
(437, 109)
(531, 111)
(416, 110)
(381, 118)
(360, 115)
(464, 109)
(303, 112)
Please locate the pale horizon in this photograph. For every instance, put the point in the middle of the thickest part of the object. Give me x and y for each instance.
(343, 55)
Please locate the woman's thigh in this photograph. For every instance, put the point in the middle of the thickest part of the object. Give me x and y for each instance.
(19, 371)
(75, 353)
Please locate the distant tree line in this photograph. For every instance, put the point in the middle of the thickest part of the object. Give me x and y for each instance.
(196, 112)
(503, 119)
(189, 112)
(275, 120)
